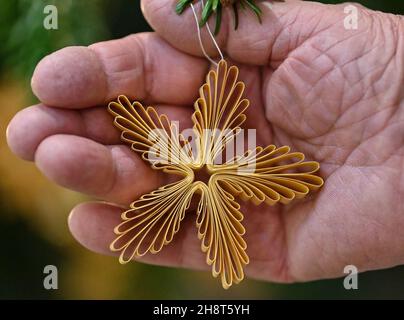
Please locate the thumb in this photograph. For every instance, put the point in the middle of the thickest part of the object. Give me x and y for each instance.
(285, 25)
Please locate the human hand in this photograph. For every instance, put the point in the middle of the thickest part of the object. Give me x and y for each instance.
(334, 94)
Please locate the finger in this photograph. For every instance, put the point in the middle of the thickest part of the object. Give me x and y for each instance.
(284, 27)
(114, 173)
(92, 225)
(34, 124)
(142, 66)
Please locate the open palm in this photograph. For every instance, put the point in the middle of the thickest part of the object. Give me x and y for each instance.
(334, 94)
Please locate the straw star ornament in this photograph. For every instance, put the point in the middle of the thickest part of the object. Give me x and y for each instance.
(267, 175)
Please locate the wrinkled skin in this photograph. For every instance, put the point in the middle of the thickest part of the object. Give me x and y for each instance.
(334, 94)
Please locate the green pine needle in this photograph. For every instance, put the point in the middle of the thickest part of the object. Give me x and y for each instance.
(206, 12)
(215, 4)
(254, 8)
(218, 19)
(182, 4)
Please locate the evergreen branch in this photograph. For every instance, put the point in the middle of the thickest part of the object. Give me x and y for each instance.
(216, 7)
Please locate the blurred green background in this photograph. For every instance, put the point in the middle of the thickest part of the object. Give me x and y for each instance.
(33, 211)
